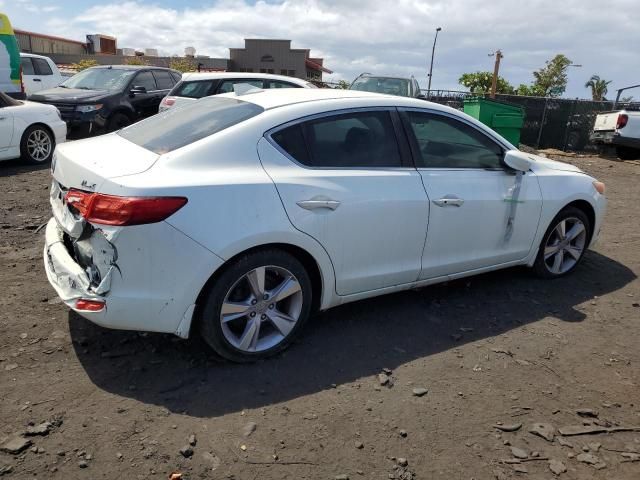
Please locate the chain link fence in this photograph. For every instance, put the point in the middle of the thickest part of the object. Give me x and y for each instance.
(560, 123)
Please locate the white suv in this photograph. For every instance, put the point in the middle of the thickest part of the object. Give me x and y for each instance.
(39, 73)
(198, 85)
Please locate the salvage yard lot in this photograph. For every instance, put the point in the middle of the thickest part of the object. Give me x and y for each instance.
(501, 349)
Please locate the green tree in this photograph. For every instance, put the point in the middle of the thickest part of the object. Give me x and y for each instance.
(84, 64)
(480, 82)
(183, 64)
(551, 80)
(343, 84)
(598, 86)
(529, 90)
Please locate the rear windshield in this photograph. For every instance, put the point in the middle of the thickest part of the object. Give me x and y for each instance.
(387, 85)
(194, 89)
(178, 127)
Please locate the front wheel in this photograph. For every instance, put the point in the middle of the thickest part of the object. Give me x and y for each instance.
(37, 145)
(563, 244)
(257, 306)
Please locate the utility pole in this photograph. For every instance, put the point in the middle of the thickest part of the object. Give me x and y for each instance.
(433, 51)
(496, 70)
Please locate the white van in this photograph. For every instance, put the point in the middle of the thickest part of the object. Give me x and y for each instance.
(39, 73)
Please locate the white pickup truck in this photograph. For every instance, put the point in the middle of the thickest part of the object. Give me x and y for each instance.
(620, 129)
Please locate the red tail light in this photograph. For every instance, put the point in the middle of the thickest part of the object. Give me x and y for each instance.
(622, 121)
(21, 81)
(168, 101)
(90, 305)
(123, 211)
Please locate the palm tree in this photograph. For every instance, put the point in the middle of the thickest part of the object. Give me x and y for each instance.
(598, 87)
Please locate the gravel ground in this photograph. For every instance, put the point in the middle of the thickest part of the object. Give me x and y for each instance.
(416, 385)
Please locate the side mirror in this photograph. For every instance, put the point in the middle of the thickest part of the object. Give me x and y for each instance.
(137, 89)
(518, 160)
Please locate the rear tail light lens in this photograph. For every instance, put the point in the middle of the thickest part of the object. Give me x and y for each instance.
(622, 121)
(168, 101)
(90, 305)
(123, 211)
(599, 186)
(21, 81)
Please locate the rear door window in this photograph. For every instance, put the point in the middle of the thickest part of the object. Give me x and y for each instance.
(41, 66)
(163, 79)
(349, 140)
(27, 66)
(178, 127)
(196, 89)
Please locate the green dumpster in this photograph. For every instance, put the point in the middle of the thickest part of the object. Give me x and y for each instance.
(505, 119)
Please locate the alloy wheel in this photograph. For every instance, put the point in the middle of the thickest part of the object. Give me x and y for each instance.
(565, 245)
(39, 145)
(261, 309)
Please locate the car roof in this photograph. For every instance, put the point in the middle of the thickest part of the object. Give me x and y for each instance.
(384, 76)
(276, 97)
(32, 55)
(222, 75)
(135, 67)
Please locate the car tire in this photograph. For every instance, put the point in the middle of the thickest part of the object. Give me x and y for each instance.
(627, 153)
(241, 327)
(37, 145)
(117, 121)
(558, 254)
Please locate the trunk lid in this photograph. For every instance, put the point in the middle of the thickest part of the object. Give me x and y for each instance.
(606, 122)
(86, 164)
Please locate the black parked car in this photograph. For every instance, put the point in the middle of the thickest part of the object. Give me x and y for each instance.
(109, 97)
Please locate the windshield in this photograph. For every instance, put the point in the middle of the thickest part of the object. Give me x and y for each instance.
(100, 79)
(390, 86)
(178, 127)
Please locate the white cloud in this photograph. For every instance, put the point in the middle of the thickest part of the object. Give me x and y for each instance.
(390, 37)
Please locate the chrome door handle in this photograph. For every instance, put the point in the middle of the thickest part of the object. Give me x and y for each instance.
(315, 204)
(449, 201)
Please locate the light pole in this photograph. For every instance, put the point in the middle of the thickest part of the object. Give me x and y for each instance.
(433, 51)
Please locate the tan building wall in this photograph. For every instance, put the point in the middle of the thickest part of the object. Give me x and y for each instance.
(46, 45)
(271, 56)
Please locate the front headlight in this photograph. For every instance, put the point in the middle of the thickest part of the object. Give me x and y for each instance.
(89, 108)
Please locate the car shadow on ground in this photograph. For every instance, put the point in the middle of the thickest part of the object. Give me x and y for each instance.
(16, 167)
(339, 346)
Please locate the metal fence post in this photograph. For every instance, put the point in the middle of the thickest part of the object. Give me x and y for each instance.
(544, 113)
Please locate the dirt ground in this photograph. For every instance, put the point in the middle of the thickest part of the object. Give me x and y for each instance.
(502, 347)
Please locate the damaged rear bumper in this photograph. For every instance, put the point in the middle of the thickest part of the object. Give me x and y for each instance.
(147, 276)
(67, 277)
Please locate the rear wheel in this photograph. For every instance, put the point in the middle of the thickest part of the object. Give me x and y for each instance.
(257, 306)
(117, 121)
(37, 145)
(564, 244)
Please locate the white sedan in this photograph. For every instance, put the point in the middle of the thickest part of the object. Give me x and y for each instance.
(29, 130)
(240, 215)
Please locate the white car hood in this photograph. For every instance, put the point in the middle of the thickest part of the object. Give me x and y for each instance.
(85, 164)
(546, 163)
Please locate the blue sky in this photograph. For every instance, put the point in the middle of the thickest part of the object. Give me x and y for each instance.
(377, 36)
